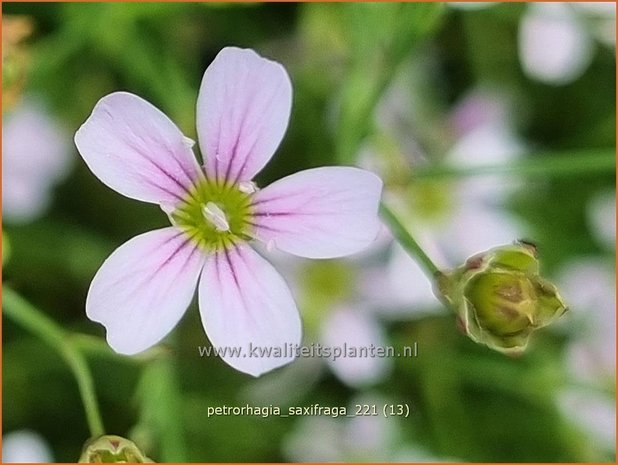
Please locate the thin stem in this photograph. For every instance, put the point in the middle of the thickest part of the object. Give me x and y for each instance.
(578, 163)
(404, 237)
(161, 408)
(33, 320)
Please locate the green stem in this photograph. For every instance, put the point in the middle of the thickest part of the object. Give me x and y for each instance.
(578, 163)
(404, 237)
(31, 319)
(161, 408)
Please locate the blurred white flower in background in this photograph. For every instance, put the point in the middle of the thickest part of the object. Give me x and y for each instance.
(592, 413)
(600, 18)
(470, 215)
(602, 219)
(315, 439)
(554, 46)
(365, 298)
(24, 446)
(589, 287)
(355, 327)
(343, 303)
(35, 156)
(357, 439)
(476, 218)
(341, 439)
(409, 290)
(556, 40)
(483, 124)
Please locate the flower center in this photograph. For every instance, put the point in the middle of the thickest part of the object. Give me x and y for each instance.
(215, 215)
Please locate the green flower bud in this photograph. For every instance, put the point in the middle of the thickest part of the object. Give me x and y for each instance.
(112, 449)
(500, 298)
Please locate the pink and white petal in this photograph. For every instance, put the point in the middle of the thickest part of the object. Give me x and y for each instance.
(144, 287)
(319, 213)
(136, 150)
(243, 109)
(246, 304)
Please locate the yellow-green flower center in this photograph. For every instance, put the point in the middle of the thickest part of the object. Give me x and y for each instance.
(216, 215)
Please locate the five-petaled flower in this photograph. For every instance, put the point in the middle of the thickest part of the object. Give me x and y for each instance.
(141, 291)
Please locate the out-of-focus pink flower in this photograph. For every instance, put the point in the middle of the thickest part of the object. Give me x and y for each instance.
(145, 286)
(35, 156)
(556, 43)
(481, 109)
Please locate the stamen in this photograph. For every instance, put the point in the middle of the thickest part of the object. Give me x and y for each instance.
(247, 187)
(169, 208)
(270, 245)
(187, 142)
(216, 216)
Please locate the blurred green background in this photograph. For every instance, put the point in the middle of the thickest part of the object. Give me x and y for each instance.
(378, 85)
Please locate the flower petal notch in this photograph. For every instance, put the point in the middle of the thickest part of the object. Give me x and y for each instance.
(499, 297)
(143, 289)
(216, 212)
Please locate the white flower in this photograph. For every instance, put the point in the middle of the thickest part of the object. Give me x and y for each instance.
(477, 219)
(362, 438)
(355, 327)
(35, 156)
(601, 18)
(593, 413)
(25, 446)
(555, 41)
(354, 439)
(409, 288)
(601, 214)
(589, 286)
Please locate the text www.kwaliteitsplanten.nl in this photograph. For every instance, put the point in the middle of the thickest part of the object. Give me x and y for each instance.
(315, 350)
